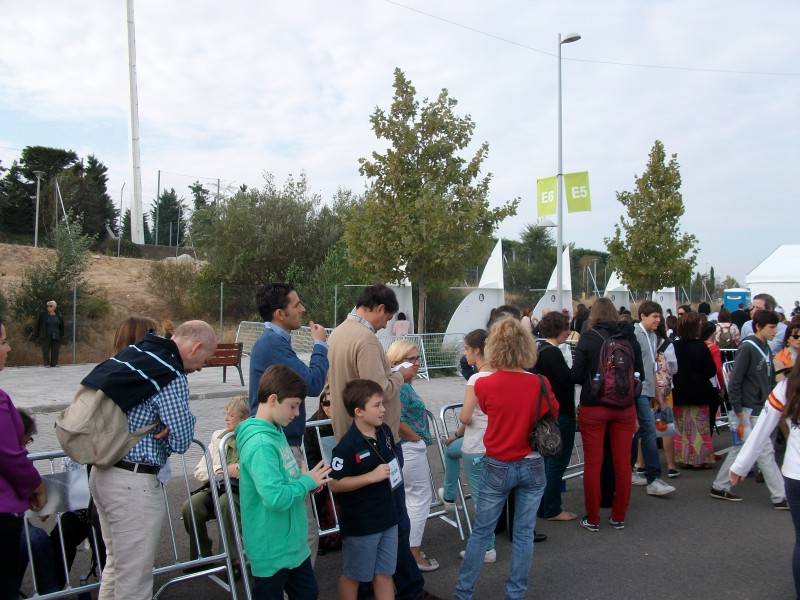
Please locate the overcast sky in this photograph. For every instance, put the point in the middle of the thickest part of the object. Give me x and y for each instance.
(229, 90)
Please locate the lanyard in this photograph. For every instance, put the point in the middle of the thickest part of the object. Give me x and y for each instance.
(651, 344)
(373, 444)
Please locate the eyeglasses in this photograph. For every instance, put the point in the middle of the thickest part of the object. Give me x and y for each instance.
(680, 314)
(411, 359)
(29, 442)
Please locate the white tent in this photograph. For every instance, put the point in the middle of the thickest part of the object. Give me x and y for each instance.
(778, 275)
(474, 310)
(550, 299)
(405, 299)
(618, 292)
(668, 299)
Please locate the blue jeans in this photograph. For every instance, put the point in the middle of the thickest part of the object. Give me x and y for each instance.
(299, 584)
(793, 499)
(647, 435)
(526, 479)
(452, 468)
(555, 466)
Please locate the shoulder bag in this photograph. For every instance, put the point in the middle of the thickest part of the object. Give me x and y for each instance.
(546, 436)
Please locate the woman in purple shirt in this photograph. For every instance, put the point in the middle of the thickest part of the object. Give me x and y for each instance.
(21, 487)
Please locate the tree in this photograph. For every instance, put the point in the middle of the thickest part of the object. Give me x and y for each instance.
(200, 195)
(648, 249)
(169, 216)
(126, 228)
(17, 201)
(426, 213)
(260, 235)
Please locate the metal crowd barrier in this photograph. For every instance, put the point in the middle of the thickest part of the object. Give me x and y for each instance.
(63, 494)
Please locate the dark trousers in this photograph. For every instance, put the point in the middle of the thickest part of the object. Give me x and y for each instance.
(76, 527)
(10, 530)
(298, 583)
(793, 499)
(50, 349)
(555, 466)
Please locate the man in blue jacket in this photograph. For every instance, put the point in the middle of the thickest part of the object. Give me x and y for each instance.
(280, 307)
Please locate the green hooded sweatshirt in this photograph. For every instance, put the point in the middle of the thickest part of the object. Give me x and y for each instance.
(272, 492)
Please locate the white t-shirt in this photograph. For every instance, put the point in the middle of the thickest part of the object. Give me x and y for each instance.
(473, 433)
(766, 422)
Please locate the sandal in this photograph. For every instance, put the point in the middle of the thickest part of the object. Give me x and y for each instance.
(564, 515)
(432, 566)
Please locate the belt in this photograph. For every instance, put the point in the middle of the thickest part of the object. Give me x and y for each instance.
(138, 467)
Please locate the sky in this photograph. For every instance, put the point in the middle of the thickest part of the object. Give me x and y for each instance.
(231, 90)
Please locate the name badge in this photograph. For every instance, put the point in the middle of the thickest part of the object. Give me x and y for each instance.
(395, 473)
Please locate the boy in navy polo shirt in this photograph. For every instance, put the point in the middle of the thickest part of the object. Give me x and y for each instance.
(365, 471)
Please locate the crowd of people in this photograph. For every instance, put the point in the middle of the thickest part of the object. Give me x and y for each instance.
(641, 379)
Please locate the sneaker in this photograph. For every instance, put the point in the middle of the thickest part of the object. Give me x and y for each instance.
(638, 479)
(659, 488)
(449, 505)
(489, 557)
(725, 495)
(673, 473)
(782, 505)
(640, 470)
(584, 522)
(616, 524)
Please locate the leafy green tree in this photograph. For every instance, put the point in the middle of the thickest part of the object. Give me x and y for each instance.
(274, 232)
(427, 208)
(648, 249)
(529, 261)
(50, 160)
(17, 201)
(169, 216)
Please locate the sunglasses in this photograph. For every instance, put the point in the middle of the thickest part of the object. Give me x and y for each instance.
(325, 403)
(795, 336)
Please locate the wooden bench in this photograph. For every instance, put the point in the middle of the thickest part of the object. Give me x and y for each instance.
(227, 355)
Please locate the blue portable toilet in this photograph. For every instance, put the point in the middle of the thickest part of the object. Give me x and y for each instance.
(733, 297)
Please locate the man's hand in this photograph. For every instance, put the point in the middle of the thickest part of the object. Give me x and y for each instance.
(408, 373)
(317, 332)
(735, 477)
(38, 498)
(380, 473)
(319, 473)
(163, 434)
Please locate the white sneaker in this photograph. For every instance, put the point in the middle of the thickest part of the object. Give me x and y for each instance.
(659, 488)
(448, 506)
(489, 557)
(637, 479)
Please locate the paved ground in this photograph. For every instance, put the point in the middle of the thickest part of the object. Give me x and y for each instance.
(684, 545)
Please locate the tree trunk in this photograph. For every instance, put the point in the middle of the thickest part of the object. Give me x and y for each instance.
(421, 306)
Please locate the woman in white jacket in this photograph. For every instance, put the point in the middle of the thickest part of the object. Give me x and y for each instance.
(783, 402)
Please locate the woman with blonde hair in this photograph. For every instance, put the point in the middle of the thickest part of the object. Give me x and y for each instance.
(415, 437)
(509, 398)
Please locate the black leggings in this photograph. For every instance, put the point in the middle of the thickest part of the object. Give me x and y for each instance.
(10, 530)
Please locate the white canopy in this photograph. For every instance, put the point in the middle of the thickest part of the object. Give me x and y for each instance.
(778, 275)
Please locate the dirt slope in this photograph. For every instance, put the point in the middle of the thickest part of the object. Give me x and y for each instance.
(125, 279)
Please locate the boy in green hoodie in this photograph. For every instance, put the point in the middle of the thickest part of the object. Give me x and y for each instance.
(272, 491)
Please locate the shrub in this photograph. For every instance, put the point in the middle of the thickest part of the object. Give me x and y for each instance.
(174, 284)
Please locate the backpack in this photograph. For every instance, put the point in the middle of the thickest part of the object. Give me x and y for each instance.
(93, 430)
(725, 339)
(614, 384)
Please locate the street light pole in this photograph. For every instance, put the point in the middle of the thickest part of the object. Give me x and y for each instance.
(570, 37)
(39, 175)
(119, 233)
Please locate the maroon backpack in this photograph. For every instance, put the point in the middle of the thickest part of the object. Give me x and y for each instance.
(615, 383)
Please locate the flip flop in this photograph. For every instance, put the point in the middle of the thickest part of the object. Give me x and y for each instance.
(564, 516)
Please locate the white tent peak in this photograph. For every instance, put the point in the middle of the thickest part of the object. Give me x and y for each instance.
(492, 277)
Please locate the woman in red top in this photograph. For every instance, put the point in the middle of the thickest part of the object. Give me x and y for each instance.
(509, 398)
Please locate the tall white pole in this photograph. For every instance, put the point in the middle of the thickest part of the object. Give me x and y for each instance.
(571, 37)
(121, 219)
(39, 175)
(137, 229)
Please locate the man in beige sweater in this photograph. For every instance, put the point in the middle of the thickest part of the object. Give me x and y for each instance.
(356, 353)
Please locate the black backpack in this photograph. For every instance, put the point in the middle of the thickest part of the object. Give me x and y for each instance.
(615, 384)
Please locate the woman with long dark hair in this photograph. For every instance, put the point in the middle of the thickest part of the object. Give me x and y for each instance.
(783, 403)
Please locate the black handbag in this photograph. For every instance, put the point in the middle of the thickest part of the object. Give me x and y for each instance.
(546, 436)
